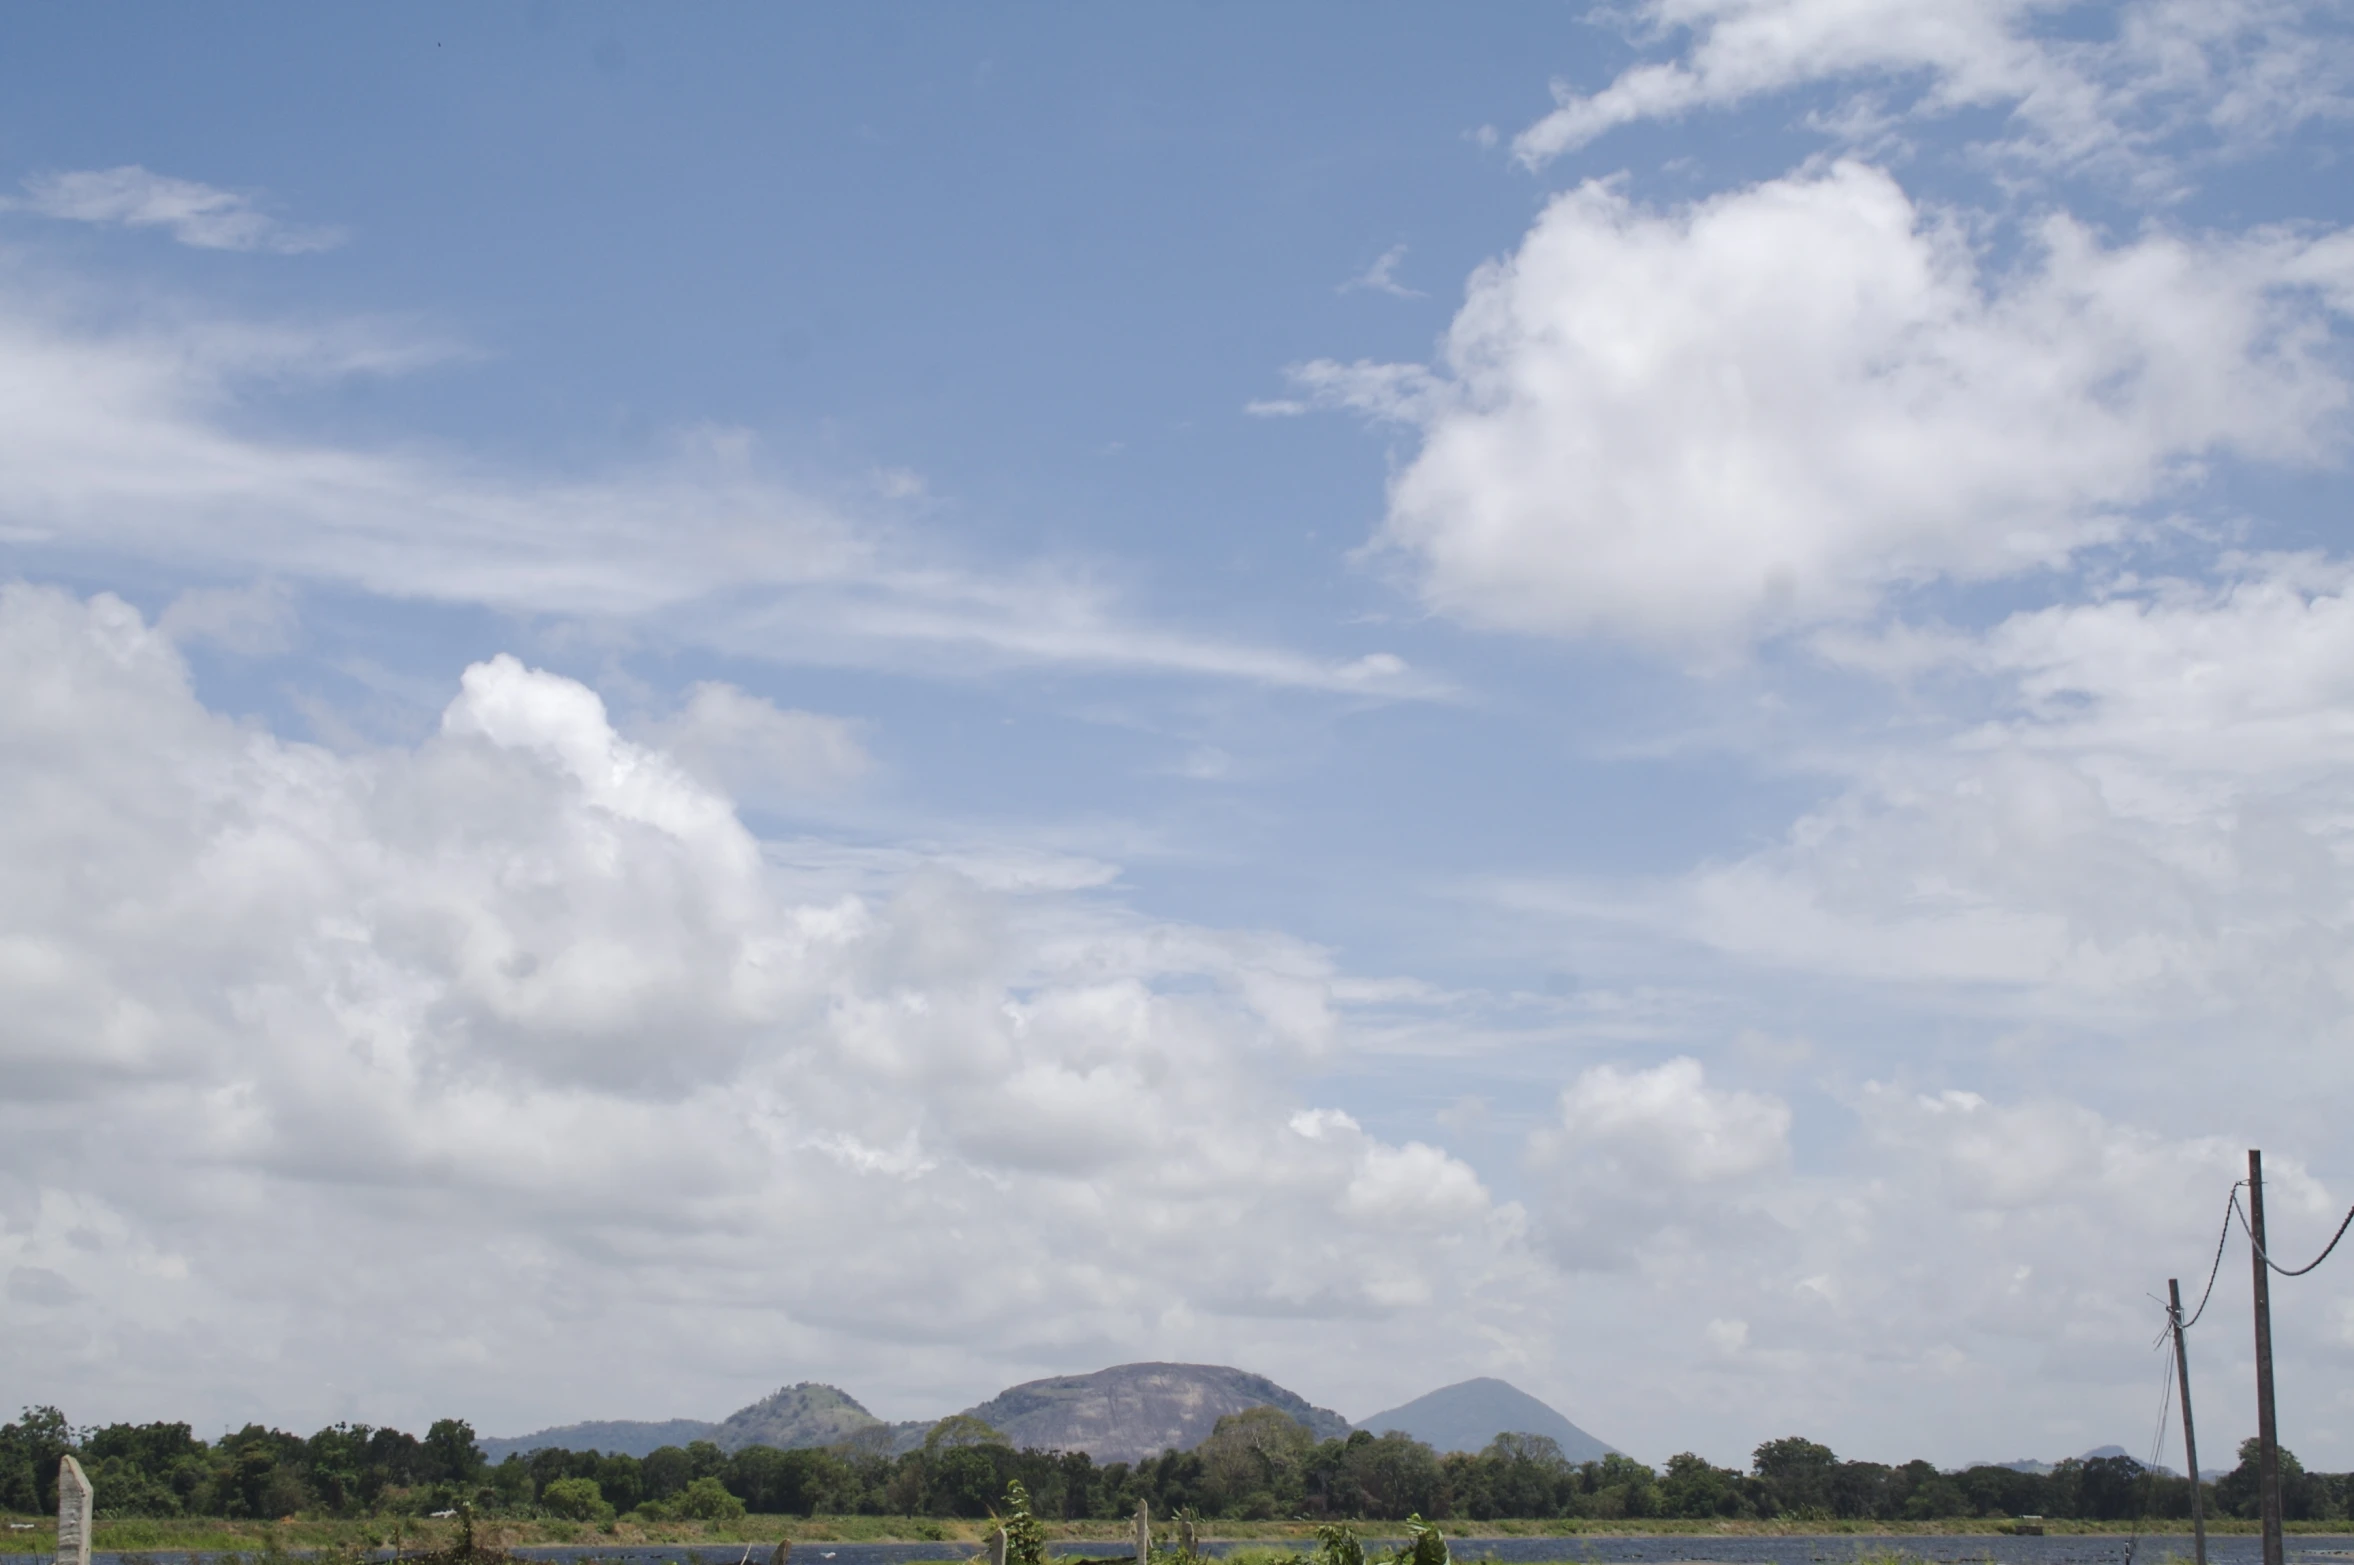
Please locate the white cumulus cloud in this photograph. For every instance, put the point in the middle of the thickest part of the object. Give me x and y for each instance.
(1687, 427)
(758, 752)
(513, 1049)
(1652, 1156)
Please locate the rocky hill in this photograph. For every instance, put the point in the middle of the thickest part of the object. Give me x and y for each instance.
(1467, 1415)
(1116, 1415)
(799, 1415)
(1132, 1411)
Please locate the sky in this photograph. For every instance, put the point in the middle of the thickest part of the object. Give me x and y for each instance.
(1655, 700)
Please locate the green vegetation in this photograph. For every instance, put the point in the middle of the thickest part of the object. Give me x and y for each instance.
(1259, 1475)
(1025, 1535)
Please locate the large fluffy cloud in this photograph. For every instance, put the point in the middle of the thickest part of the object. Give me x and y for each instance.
(1993, 1259)
(2150, 820)
(1772, 406)
(1652, 1157)
(515, 1049)
(393, 1083)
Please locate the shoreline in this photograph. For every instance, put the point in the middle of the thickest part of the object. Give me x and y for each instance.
(140, 1536)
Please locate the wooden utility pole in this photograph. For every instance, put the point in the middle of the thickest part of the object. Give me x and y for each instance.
(2267, 1431)
(2190, 1438)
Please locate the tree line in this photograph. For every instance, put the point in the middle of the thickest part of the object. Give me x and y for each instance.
(1259, 1464)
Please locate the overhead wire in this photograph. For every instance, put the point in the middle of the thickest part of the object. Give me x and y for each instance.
(2150, 1468)
(2275, 1265)
(2231, 1205)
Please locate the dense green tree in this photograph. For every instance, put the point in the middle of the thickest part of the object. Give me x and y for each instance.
(1386, 1477)
(1254, 1464)
(1617, 1486)
(791, 1483)
(2110, 1488)
(1517, 1475)
(2237, 1493)
(29, 1449)
(1863, 1491)
(961, 1429)
(2005, 1491)
(621, 1479)
(511, 1482)
(1797, 1475)
(1925, 1494)
(144, 1469)
(1694, 1488)
(450, 1454)
(963, 1480)
(550, 1463)
(668, 1470)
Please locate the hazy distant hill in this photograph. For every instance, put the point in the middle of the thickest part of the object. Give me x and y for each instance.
(1115, 1415)
(2030, 1465)
(1469, 1414)
(614, 1437)
(1132, 1411)
(800, 1415)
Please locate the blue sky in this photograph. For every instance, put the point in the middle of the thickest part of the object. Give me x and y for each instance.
(1650, 701)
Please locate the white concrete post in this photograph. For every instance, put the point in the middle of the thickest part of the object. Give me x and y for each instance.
(73, 1513)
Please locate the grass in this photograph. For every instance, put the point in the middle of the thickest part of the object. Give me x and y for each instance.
(352, 1538)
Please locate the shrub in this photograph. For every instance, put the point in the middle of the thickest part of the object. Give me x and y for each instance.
(1025, 1539)
(1336, 1544)
(707, 1500)
(1423, 1545)
(577, 1500)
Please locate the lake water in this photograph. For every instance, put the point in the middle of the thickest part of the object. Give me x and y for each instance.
(1970, 1549)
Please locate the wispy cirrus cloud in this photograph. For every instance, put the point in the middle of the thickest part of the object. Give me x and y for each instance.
(1382, 276)
(140, 443)
(203, 216)
(2169, 76)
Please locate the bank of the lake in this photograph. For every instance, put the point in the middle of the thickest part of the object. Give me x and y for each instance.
(300, 1536)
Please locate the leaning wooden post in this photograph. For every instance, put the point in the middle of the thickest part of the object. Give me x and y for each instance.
(1143, 1533)
(997, 1546)
(2190, 1438)
(73, 1513)
(2267, 1430)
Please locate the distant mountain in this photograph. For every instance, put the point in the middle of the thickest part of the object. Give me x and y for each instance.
(1121, 1414)
(800, 1415)
(1469, 1414)
(614, 1437)
(1132, 1411)
(2030, 1465)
